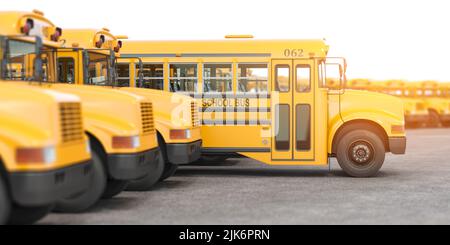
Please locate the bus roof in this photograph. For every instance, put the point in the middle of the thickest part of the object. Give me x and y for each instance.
(288, 48)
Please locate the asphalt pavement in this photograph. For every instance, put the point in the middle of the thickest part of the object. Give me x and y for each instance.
(410, 189)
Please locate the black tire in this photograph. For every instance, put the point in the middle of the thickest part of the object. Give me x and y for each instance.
(5, 203)
(28, 215)
(169, 170)
(83, 201)
(434, 121)
(147, 182)
(114, 188)
(360, 153)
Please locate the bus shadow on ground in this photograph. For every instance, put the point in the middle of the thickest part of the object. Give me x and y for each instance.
(233, 168)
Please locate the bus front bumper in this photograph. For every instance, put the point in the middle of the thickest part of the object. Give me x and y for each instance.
(397, 145)
(445, 118)
(43, 188)
(184, 153)
(416, 118)
(132, 166)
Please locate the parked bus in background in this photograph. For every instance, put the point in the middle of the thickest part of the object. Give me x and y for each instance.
(44, 153)
(119, 125)
(176, 116)
(435, 101)
(416, 113)
(268, 100)
(359, 84)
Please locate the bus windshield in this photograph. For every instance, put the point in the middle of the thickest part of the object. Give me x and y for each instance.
(19, 63)
(99, 69)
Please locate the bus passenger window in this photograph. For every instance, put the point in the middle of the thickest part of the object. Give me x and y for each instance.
(153, 76)
(123, 74)
(282, 78)
(252, 78)
(66, 70)
(217, 78)
(303, 80)
(183, 77)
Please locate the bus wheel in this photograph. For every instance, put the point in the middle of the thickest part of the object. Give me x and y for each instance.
(5, 203)
(434, 120)
(360, 153)
(28, 215)
(169, 170)
(147, 182)
(114, 188)
(82, 201)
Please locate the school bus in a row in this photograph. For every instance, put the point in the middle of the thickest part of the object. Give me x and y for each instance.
(44, 153)
(118, 124)
(176, 117)
(268, 100)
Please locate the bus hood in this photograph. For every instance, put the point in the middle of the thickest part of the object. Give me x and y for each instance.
(371, 103)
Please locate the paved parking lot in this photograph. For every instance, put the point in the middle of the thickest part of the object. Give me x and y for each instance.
(410, 189)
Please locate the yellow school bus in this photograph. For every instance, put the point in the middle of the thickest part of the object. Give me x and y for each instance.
(119, 125)
(44, 154)
(416, 113)
(435, 101)
(268, 100)
(359, 84)
(176, 120)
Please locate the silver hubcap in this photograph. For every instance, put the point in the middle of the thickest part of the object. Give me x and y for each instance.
(361, 153)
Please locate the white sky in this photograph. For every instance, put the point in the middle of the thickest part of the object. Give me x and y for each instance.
(381, 39)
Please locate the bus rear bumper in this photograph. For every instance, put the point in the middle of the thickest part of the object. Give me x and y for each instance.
(397, 145)
(184, 153)
(43, 188)
(131, 166)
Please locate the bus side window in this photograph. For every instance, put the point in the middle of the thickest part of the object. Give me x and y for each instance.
(153, 76)
(183, 77)
(217, 78)
(253, 78)
(66, 70)
(123, 75)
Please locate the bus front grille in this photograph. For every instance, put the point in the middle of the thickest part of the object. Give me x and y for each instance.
(71, 121)
(194, 115)
(148, 125)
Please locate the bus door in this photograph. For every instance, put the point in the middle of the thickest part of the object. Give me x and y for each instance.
(293, 109)
(67, 64)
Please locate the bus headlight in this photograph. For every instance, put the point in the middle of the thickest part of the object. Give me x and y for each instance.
(45, 155)
(121, 142)
(180, 134)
